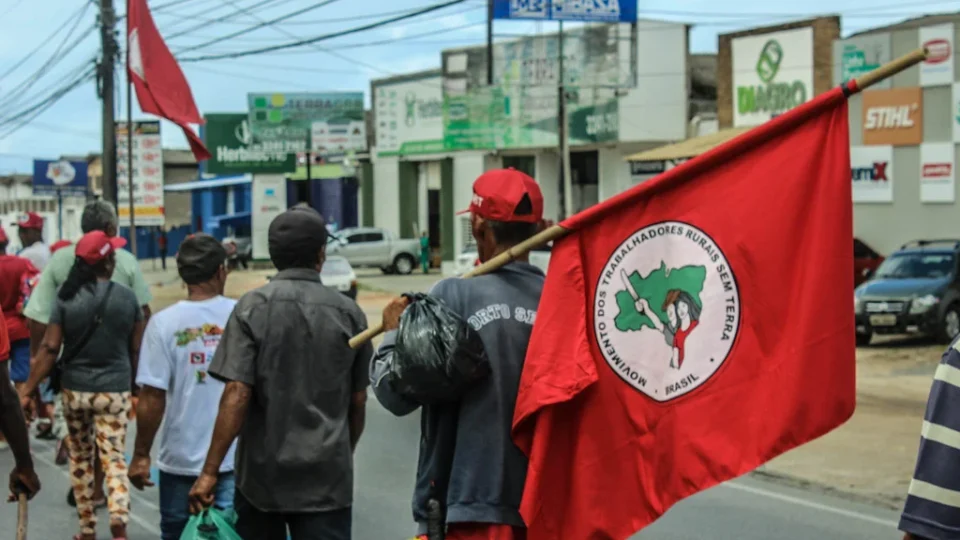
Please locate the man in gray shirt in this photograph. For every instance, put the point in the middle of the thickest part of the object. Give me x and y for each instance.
(295, 394)
(468, 461)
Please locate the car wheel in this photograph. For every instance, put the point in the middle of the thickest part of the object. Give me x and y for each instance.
(950, 326)
(403, 264)
(386, 269)
(863, 340)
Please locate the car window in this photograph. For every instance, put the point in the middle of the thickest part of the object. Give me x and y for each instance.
(917, 266)
(356, 238)
(374, 237)
(335, 267)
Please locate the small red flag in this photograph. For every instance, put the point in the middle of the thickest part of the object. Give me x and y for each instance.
(161, 87)
(691, 329)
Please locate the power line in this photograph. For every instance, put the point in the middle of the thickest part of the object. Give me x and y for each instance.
(324, 37)
(260, 25)
(205, 24)
(77, 14)
(25, 117)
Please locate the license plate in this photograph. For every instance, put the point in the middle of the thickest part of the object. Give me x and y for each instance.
(883, 320)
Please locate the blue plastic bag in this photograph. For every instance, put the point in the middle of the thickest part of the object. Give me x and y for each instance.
(212, 524)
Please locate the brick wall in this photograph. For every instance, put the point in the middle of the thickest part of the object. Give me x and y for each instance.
(825, 31)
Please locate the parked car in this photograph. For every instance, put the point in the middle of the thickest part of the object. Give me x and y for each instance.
(370, 246)
(916, 290)
(865, 261)
(338, 274)
(469, 257)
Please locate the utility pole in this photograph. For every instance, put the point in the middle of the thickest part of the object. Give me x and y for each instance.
(566, 184)
(489, 42)
(107, 60)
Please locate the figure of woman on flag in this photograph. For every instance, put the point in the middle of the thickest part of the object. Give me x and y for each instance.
(683, 315)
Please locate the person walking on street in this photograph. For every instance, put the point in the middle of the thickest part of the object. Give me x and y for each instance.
(13, 427)
(178, 345)
(425, 252)
(162, 245)
(30, 230)
(96, 216)
(99, 324)
(468, 461)
(287, 343)
(15, 275)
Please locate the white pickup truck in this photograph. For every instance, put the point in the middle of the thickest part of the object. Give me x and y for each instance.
(371, 246)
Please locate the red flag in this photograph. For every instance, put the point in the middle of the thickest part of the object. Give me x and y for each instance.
(691, 329)
(161, 87)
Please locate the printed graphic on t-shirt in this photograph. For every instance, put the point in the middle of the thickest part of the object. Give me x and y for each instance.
(209, 333)
(198, 358)
(201, 377)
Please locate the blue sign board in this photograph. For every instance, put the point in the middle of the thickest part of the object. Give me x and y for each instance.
(69, 177)
(611, 11)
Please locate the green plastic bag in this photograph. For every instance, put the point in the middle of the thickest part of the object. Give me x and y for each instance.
(211, 524)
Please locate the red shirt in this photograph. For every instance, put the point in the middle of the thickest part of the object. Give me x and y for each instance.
(14, 273)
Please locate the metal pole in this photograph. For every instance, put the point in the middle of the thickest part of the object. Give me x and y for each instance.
(309, 178)
(490, 42)
(109, 157)
(563, 130)
(130, 172)
(59, 214)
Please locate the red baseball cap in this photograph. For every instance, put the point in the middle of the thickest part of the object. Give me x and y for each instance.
(59, 244)
(500, 194)
(96, 245)
(30, 220)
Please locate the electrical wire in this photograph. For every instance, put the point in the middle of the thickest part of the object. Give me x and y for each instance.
(258, 26)
(205, 24)
(77, 14)
(26, 116)
(317, 39)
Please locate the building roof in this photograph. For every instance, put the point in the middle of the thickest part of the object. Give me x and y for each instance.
(178, 157)
(908, 24)
(688, 148)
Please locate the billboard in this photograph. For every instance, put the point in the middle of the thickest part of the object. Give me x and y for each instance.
(937, 69)
(268, 200)
(893, 117)
(333, 121)
(772, 73)
(147, 174)
(59, 176)
(234, 152)
(409, 116)
(520, 109)
(871, 171)
(860, 55)
(624, 11)
(937, 173)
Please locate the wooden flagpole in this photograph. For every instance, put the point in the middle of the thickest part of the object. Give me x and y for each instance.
(553, 233)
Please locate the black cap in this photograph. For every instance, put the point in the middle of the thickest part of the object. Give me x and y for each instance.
(295, 237)
(199, 258)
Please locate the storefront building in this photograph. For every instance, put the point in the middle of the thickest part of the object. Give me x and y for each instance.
(437, 131)
(904, 134)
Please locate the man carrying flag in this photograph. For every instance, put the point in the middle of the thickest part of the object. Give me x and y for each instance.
(692, 328)
(161, 87)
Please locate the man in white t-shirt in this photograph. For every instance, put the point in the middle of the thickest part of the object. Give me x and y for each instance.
(30, 231)
(177, 348)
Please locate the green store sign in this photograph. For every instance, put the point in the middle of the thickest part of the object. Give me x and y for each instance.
(771, 96)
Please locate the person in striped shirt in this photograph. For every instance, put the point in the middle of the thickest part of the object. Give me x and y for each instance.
(932, 510)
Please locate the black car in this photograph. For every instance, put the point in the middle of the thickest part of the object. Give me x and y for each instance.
(915, 291)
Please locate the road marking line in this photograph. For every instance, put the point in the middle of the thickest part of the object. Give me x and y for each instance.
(816, 506)
(150, 527)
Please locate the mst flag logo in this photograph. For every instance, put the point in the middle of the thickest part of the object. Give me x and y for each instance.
(667, 310)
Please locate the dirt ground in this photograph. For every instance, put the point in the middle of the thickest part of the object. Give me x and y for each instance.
(872, 455)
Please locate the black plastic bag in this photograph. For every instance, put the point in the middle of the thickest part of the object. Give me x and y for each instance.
(438, 356)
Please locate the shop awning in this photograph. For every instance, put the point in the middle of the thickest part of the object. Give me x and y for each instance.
(688, 148)
(222, 181)
(230, 220)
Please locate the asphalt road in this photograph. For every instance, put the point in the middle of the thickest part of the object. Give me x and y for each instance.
(746, 509)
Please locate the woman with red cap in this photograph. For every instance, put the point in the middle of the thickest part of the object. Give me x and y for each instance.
(99, 323)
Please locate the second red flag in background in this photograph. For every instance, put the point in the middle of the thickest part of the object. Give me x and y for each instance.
(161, 87)
(691, 329)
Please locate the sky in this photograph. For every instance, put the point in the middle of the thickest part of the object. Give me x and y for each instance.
(62, 36)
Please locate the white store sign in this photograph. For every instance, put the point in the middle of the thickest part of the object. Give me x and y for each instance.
(871, 170)
(937, 173)
(937, 70)
(772, 73)
(409, 116)
(269, 200)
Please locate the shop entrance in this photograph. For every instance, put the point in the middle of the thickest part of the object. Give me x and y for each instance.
(585, 177)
